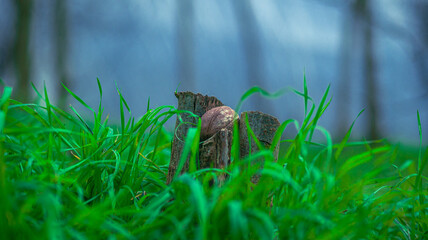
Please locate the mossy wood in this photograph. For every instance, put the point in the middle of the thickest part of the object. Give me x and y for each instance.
(215, 151)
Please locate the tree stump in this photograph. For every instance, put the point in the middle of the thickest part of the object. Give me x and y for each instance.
(214, 152)
(264, 127)
(197, 104)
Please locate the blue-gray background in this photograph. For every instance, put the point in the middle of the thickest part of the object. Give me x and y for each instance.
(152, 47)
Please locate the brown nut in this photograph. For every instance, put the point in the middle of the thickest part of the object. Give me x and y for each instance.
(216, 119)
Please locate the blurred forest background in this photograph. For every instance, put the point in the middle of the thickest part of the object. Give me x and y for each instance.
(373, 53)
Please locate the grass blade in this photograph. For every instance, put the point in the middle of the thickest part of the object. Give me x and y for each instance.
(263, 92)
(77, 98)
(346, 138)
(305, 91)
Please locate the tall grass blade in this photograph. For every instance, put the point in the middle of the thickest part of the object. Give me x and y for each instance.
(320, 110)
(421, 165)
(82, 120)
(342, 144)
(77, 98)
(305, 91)
(263, 92)
(187, 149)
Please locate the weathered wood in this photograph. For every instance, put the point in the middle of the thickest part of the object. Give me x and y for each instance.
(264, 127)
(215, 152)
(197, 104)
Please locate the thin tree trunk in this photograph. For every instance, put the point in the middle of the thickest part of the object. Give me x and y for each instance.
(421, 50)
(22, 58)
(365, 13)
(185, 59)
(344, 87)
(61, 37)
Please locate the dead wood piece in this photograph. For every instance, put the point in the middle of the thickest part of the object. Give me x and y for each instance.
(214, 149)
(264, 127)
(215, 152)
(197, 104)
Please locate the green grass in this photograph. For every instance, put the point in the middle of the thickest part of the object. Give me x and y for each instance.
(66, 177)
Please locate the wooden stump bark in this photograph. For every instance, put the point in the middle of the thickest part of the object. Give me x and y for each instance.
(264, 127)
(214, 152)
(197, 104)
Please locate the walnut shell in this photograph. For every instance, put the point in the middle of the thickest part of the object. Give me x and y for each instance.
(216, 119)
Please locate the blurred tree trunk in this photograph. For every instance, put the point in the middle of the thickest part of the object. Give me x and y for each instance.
(421, 50)
(22, 58)
(249, 34)
(364, 12)
(344, 87)
(185, 42)
(61, 39)
(6, 46)
(6, 55)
